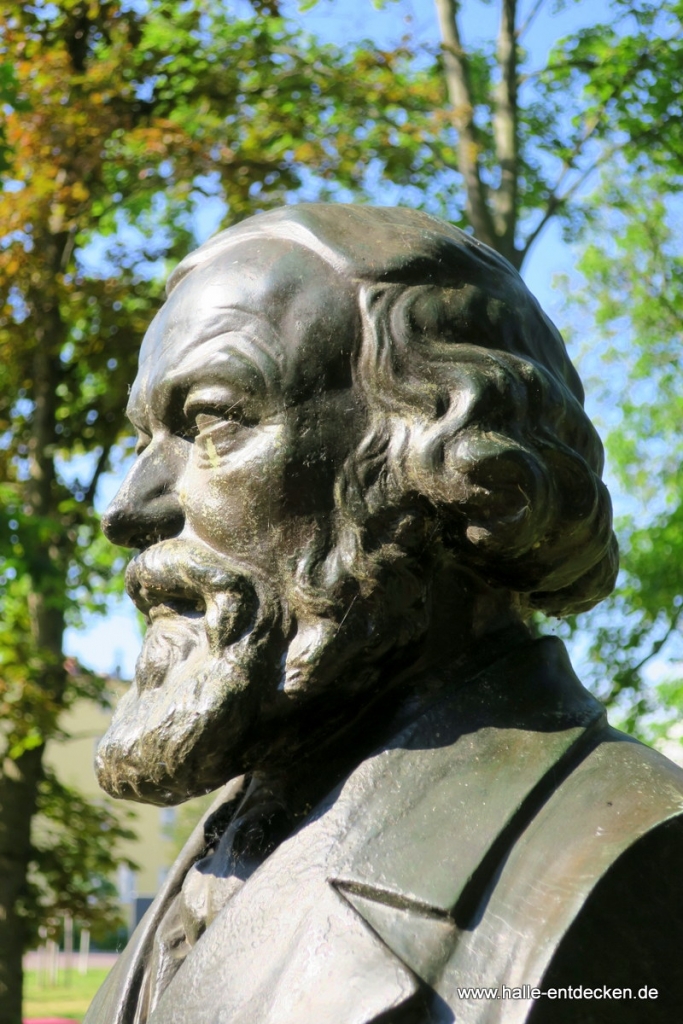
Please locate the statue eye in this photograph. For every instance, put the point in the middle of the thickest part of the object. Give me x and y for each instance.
(206, 420)
(200, 418)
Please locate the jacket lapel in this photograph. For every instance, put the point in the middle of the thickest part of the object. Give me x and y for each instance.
(289, 949)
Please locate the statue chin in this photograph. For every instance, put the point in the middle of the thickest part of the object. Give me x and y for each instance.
(181, 729)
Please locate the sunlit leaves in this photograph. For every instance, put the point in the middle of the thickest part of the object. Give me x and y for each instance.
(633, 264)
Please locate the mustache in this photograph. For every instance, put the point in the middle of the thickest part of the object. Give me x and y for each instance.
(183, 577)
(177, 568)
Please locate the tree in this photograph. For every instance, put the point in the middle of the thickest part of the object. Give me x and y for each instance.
(498, 146)
(100, 186)
(123, 120)
(74, 858)
(632, 260)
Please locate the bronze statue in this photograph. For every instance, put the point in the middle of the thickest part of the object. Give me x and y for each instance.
(363, 462)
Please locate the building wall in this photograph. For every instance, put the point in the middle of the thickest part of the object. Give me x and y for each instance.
(73, 761)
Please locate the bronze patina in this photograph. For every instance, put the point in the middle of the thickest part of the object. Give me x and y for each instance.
(363, 462)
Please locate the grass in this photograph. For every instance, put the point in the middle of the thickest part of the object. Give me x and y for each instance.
(72, 1000)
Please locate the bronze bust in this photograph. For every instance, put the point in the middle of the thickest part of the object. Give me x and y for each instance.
(363, 462)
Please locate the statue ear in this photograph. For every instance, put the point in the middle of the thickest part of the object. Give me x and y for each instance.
(517, 504)
(490, 493)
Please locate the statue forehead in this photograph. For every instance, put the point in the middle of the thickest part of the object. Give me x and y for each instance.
(393, 245)
(289, 308)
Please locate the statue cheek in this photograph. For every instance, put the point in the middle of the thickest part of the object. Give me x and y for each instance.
(236, 502)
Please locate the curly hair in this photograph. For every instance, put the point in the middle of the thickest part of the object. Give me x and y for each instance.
(476, 412)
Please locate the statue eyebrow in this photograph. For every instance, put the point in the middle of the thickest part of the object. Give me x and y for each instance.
(235, 358)
(230, 368)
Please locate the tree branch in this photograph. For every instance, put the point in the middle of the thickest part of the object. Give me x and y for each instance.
(654, 650)
(551, 209)
(555, 201)
(582, 64)
(530, 18)
(89, 495)
(460, 96)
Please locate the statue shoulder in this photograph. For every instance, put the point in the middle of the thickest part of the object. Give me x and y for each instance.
(624, 943)
(588, 893)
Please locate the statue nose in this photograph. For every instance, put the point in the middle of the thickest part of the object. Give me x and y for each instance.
(146, 508)
(126, 525)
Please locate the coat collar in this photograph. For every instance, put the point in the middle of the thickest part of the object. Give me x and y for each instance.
(440, 808)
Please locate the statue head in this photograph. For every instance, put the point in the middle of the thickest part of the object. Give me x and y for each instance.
(362, 452)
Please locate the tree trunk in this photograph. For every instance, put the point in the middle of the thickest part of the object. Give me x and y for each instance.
(491, 212)
(505, 131)
(18, 787)
(456, 71)
(20, 777)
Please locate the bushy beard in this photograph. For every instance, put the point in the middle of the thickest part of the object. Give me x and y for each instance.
(209, 668)
(235, 676)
